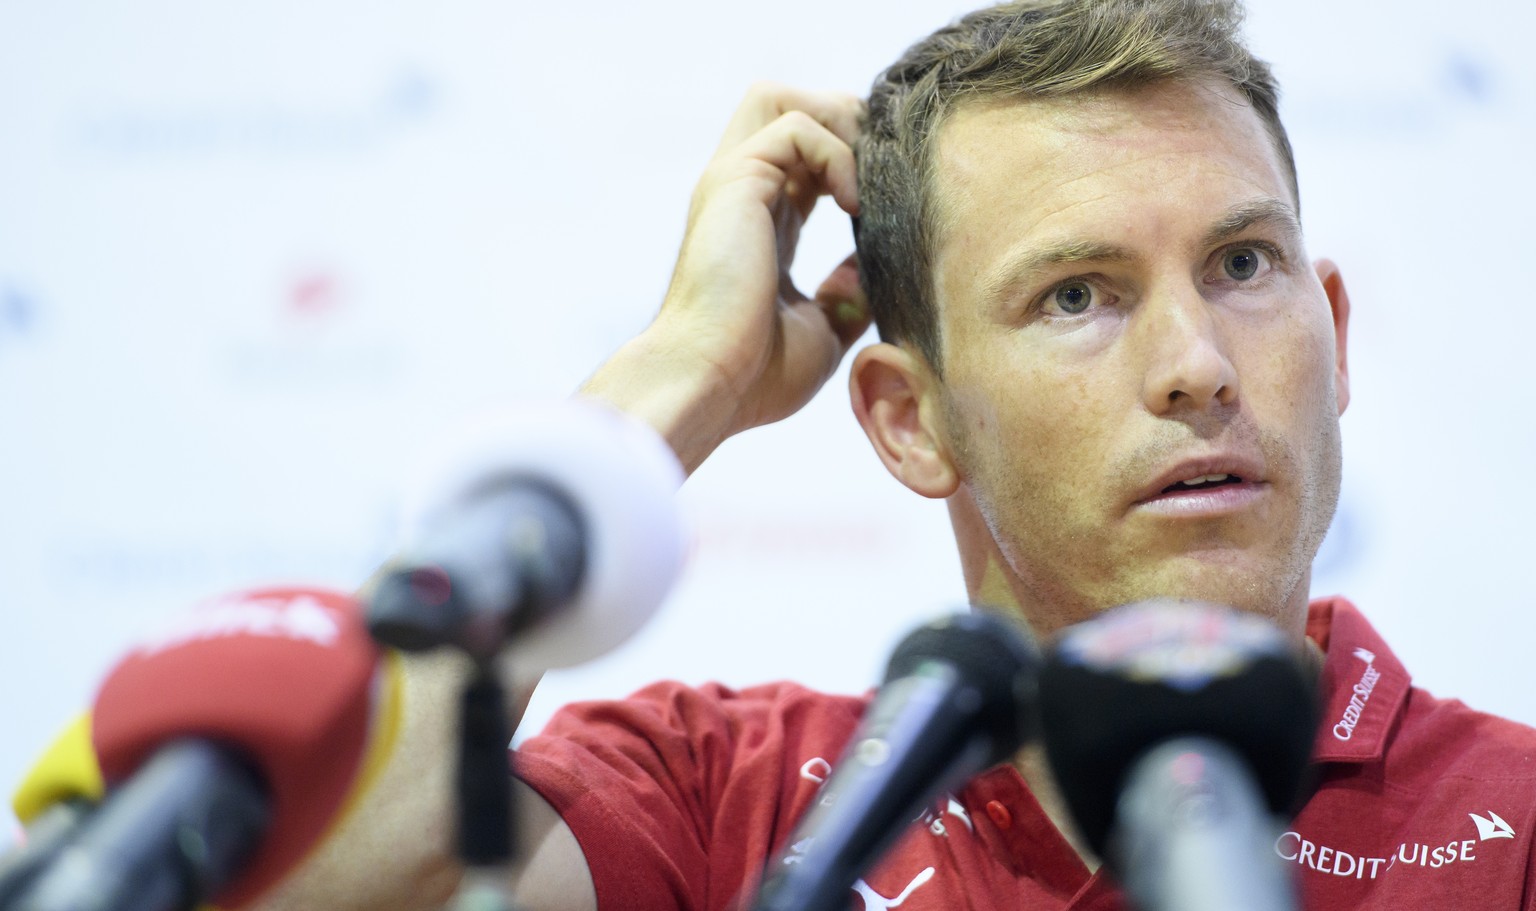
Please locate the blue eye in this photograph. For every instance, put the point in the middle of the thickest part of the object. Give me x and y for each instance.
(1074, 297)
(1241, 264)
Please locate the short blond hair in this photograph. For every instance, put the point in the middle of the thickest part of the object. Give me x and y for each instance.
(1028, 49)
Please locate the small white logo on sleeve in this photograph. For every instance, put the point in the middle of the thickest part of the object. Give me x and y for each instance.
(1345, 728)
(1492, 827)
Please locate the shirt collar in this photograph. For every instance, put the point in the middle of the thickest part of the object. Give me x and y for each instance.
(1362, 689)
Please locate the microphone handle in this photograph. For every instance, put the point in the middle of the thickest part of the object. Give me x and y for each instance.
(47, 834)
(1193, 833)
(169, 838)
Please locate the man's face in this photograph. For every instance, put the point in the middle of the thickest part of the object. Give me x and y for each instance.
(1142, 371)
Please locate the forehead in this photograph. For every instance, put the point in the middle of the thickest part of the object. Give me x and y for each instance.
(1120, 166)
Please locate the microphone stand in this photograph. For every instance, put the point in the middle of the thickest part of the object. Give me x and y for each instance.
(484, 571)
(416, 610)
(487, 801)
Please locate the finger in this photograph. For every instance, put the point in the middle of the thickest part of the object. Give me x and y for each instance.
(794, 143)
(801, 189)
(841, 298)
(766, 102)
(812, 349)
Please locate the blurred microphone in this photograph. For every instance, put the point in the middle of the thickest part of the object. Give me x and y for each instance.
(551, 531)
(53, 802)
(46, 836)
(1178, 732)
(228, 744)
(958, 698)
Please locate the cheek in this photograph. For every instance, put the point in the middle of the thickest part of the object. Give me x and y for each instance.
(1287, 367)
(1033, 427)
(1311, 371)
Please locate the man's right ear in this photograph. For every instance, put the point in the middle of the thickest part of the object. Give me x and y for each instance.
(896, 399)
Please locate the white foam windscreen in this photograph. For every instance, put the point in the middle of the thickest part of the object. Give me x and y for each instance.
(623, 480)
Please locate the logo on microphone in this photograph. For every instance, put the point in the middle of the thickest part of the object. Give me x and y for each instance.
(1345, 729)
(301, 618)
(1181, 644)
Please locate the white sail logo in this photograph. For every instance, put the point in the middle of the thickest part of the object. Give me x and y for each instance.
(1492, 827)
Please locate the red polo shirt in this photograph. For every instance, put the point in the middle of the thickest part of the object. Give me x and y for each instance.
(678, 796)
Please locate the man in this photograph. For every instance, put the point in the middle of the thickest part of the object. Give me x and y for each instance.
(1107, 350)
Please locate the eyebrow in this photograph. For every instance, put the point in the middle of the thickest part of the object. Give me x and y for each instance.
(1245, 215)
(1020, 270)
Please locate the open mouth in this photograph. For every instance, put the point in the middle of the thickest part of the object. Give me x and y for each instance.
(1205, 482)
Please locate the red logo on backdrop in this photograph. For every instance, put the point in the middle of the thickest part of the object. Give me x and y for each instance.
(313, 295)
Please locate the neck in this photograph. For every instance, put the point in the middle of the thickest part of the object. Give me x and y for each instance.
(1036, 771)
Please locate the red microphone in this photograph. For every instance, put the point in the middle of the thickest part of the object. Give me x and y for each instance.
(230, 743)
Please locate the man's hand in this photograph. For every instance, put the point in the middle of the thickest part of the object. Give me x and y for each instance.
(736, 344)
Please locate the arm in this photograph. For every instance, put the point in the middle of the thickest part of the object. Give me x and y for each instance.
(734, 346)
(394, 850)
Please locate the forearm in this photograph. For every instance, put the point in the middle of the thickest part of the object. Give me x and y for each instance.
(393, 848)
(684, 400)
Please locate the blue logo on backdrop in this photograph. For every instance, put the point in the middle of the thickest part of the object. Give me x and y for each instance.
(1469, 76)
(18, 311)
(108, 567)
(1462, 83)
(264, 129)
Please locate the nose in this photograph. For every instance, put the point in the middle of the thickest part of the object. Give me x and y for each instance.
(1187, 361)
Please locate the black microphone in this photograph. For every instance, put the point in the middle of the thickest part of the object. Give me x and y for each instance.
(47, 835)
(507, 556)
(550, 534)
(229, 743)
(551, 531)
(958, 698)
(182, 827)
(1178, 733)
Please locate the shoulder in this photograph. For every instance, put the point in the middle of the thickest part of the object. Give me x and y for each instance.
(1446, 738)
(710, 709)
(677, 793)
(708, 734)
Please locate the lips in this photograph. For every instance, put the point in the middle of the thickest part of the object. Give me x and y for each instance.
(1203, 483)
(1203, 476)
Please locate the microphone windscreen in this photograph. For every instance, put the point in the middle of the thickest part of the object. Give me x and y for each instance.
(66, 771)
(285, 677)
(623, 480)
(1116, 686)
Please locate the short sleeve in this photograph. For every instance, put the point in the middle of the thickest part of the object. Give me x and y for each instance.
(677, 795)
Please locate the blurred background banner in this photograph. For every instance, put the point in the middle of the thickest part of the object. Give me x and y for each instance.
(256, 258)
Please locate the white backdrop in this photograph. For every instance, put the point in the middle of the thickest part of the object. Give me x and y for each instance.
(254, 255)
